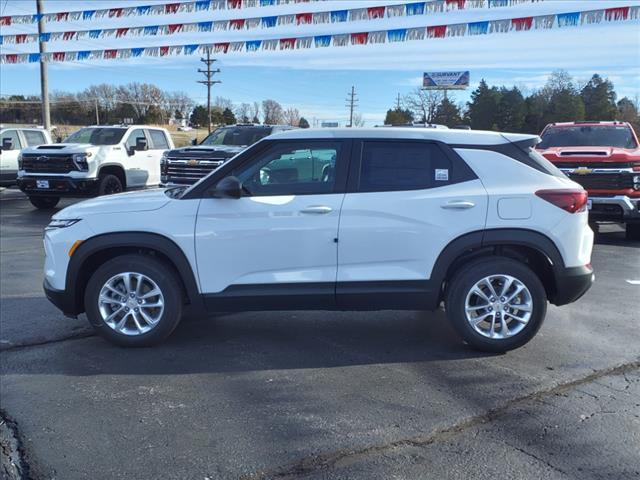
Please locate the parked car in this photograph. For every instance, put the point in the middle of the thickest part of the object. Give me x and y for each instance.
(12, 140)
(603, 157)
(346, 219)
(185, 166)
(93, 161)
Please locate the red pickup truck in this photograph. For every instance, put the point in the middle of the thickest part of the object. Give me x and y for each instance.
(603, 157)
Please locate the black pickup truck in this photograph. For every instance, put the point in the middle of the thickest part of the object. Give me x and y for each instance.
(185, 166)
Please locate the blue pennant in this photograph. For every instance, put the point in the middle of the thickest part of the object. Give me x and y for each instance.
(415, 8)
(478, 28)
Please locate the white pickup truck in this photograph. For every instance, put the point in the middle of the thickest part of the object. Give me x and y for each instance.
(98, 160)
(12, 140)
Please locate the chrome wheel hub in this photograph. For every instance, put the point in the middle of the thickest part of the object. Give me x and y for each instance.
(498, 306)
(131, 303)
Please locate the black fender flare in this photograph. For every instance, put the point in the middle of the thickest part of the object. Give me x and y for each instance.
(133, 240)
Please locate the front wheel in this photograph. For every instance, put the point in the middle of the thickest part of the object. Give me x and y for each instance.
(134, 300)
(44, 203)
(633, 231)
(496, 304)
(109, 184)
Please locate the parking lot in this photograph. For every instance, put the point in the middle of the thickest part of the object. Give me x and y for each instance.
(317, 394)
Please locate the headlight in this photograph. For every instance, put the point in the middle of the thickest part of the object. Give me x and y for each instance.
(60, 223)
(80, 160)
(636, 182)
(20, 161)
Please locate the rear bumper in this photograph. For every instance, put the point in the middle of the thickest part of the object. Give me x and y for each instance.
(59, 186)
(572, 283)
(63, 300)
(618, 208)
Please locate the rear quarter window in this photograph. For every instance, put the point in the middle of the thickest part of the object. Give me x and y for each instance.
(34, 137)
(159, 140)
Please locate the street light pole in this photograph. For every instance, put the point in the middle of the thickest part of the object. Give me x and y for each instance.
(44, 76)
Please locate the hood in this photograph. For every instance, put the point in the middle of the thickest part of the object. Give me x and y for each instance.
(207, 151)
(141, 201)
(590, 154)
(61, 148)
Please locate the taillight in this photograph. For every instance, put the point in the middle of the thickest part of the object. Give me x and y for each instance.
(571, 201)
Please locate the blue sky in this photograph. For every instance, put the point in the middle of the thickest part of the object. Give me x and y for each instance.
(317, 81)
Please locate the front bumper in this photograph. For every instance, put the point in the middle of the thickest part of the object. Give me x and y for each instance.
(63, 300)
(572, 283)
(618, 208)
(59, 186)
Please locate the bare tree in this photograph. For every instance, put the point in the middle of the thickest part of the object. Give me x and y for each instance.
(291, 116)
(273, 113)
(179, 102)
(223, 103)
(255, 112)
(243, 113)
(423, 103)
(358, 120)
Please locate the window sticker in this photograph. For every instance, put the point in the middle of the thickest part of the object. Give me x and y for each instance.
(442, 174)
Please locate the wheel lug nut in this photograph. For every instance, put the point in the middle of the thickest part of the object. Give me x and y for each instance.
(139, 301)
(133, 295)
(491, 309)
(497, 314)
(126, 309)
(135, 310)
(492, 299)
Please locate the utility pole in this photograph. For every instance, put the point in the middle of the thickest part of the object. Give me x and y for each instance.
(44, 76)
(352, 102)
(97, 112)
(398, 102)
(209, 82)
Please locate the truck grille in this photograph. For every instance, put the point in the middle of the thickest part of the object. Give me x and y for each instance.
(190, 171)
(604, 181)
(48, 163)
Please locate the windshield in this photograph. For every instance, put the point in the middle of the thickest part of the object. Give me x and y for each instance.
(97, 136)
(237, 136)
(619, 136)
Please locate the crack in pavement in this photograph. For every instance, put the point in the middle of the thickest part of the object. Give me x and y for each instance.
(325, 461)
(22, 346)
(12, 463)
(538, 459)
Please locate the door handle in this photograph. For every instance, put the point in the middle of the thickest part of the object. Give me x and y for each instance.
(458, 205)
(317, 210)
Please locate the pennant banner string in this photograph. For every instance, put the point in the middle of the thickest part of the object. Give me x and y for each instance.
(540, 22)
(315, 18)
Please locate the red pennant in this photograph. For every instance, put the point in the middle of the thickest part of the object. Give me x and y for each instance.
(376, 12)
(221, 47)
(21, 38)
(121, 32)
(287, 43)
(236, 24)
(164, 51)
(524, 23)
(617, 13)
(116, 12)
(62, 16)
(171, 8)
(304, 18)
(58, 56)
(109, 54)
(175, 28)
(234, 3)
(12, 58)
(5, 21)
(437, 31)
(68, 35)
(359, 38)
(457, 3)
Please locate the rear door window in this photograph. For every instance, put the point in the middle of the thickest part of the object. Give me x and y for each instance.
(34, 137)
(15, 139)
(394, 166)
(158, 140)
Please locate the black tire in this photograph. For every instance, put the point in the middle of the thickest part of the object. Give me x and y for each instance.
(109, 184)
(464, 280)
(633, 231)
(44, 203)
(166, 280)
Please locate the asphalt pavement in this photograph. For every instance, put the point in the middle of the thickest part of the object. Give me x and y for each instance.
(335, 395)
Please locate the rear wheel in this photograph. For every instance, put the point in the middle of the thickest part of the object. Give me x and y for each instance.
(134, 300)
(109, 184)
(496, 304)
(633, 231)
(44, 203)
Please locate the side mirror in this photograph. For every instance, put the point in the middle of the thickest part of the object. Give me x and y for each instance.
(228, 187)
(141, 144)
(7, 144)
(194, 142)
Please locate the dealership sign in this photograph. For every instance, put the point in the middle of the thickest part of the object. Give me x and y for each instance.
(446, 80)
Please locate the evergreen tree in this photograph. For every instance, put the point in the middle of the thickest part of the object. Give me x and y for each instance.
(303, 123)
(199, 116)
(398, 116)
(228, 117)
(511, 111)
(447, 113)
(483, 107)
(599, 99)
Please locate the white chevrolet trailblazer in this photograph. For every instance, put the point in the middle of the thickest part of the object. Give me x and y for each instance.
(335, 219)
(93, 161)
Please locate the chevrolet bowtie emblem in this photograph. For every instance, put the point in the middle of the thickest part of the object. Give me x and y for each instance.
(192, 163)
(583, 171)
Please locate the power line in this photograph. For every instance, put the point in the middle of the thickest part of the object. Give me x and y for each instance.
(352, 102)
(209, 82)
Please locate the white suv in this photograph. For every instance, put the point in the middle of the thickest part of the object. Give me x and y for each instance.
(93, 161)
(335, 219)
(12, 140)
